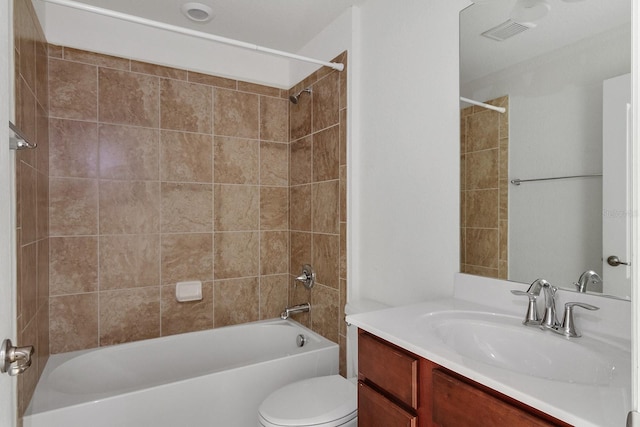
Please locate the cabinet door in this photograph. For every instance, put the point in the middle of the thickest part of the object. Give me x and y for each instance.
(458, 404)
(391, 369)
(375, 410)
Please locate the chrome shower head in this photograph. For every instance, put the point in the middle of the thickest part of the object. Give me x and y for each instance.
(294, 98)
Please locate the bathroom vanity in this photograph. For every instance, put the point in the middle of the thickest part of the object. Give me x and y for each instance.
(399, 388)
(469, 361)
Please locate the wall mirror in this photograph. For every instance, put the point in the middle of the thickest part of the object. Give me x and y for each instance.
(560, 69)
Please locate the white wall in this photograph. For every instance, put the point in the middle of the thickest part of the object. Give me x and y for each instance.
(405, 160)
(82, 30)
(555, 118)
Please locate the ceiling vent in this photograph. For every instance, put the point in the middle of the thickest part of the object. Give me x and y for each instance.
(505, 30)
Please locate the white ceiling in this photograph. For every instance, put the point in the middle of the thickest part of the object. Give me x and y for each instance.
(566, 23)
(278, 24)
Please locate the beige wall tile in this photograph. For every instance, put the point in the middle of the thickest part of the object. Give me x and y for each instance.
(482, 247)
(185, 157)
(42, 139)
(236, 114)
(26, 119)
(216, 81)
(186, 257)
(343, 77)
(274, 163)
(185, 106)
(128, 98)
(482, 208)
(300, 161)
(237, 207)
(274, 252)
(43, 272)
(480, 271)
(300, 251)
(73, 90)
(274, 208)
(326, 207)
(73, 149)
(158, 70)
(326, 154)
(343, 250)
(74, 265)
(236, 301)
(237, 254)
(300, 208)
(28, 202)
(54, 51)
(28, 285)
(258, 89)
(236, 161)
(128, 153)
(186, 207)
(129, 261)
(344, 140)
(273, 295)
(482, 170)
(98, 59)
(325, 313)
(129, 315)
(73, 208)
(74, 322)
(342, 323)
(42, 351)
(326, 256)
(343, 193)
(189, 316)
(504, 240)
(274, 119)
(298, 294)
(300, 117)
(129, 207)
(326, 102)
(482, 131)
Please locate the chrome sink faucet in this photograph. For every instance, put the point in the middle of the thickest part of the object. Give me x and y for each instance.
(550, 319)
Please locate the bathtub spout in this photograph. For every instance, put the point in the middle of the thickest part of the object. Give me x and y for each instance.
(300, 308)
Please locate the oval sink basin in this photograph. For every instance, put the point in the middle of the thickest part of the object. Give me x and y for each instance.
(502, 341)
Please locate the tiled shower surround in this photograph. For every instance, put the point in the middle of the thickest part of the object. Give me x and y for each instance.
(484, 138)
(160, 175)
(32, 195)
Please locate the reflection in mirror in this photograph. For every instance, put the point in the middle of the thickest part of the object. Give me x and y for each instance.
(557, 74)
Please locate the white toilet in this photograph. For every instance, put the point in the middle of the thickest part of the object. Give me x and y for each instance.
(329, 401)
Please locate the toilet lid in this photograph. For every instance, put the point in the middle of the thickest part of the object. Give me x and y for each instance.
(312, 401)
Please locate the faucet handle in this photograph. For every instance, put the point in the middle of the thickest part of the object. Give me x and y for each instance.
(531, 318)
(568, 327)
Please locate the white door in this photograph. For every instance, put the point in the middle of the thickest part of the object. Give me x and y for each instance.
(616, 171)
(7, 296)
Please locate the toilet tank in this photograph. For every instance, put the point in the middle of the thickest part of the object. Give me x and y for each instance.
(357, 307)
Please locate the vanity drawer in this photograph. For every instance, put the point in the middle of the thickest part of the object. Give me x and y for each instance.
(459, 404)
(376, 410)
(391, 370)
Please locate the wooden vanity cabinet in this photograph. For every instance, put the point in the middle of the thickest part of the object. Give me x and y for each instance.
(397, 388)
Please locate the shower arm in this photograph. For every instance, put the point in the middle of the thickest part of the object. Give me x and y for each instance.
(193, 33)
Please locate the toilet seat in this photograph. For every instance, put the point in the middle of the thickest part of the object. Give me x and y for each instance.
(329, 401)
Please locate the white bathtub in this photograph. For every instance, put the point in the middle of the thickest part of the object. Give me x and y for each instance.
(217, 377)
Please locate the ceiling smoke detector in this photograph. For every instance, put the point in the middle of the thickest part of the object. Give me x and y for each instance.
(197, 12)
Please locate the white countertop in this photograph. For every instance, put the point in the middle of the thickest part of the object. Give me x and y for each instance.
(577, 404)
